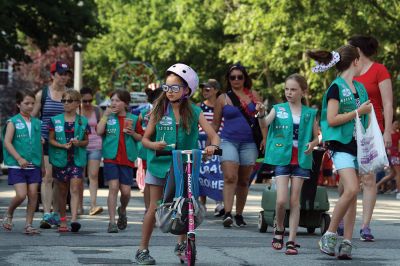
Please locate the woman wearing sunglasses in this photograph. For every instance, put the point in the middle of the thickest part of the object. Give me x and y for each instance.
(93, 114)
(240, 150)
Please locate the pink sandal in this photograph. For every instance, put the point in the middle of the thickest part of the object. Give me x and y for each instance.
(7, 222)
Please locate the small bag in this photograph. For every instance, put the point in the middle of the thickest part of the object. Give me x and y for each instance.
(371, 153)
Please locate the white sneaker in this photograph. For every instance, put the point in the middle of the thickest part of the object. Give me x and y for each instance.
(398, 195)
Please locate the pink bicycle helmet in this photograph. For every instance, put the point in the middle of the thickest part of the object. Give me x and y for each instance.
(187, 74)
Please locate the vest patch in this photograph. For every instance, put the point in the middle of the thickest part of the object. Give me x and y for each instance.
(59, 129)
(166, 121)
(19, 125)
(111, 121)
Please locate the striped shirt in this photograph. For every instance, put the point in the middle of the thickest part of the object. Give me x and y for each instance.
(209, 115)
(51, 108)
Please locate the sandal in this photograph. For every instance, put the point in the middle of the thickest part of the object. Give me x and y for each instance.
(7, 222)
(30, 230)
(63, 228)
(96, 210)
(122, 221)
(291, 248)
(277, 240)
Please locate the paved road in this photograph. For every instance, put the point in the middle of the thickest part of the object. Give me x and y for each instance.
(216, 245)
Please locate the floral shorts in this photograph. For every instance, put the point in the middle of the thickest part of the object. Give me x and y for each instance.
(395, 160)
(65, 174)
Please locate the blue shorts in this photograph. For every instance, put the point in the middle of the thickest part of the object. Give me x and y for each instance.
(153, 180)
(122, 173)
(343, 160)
(241, 153)
(94, 155)
(27, 176)
(65, 174)
(292, 170)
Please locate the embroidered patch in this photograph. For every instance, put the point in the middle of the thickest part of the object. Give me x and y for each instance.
(282, 114)
(19, 126)
(112, 122)
(58, 128)
(166, 121)
(346, 92)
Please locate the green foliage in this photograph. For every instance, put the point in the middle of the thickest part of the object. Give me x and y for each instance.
(44, 23)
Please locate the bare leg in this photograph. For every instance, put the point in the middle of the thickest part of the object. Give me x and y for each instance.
(242, 188)
(32, 200)
(75, 188)
(280, 209)
(93, 173)
(230, 170)
(113, 188)
(46, 191)
(62, 201)
(369, 198)
(20, 195)
(125, 197)
(295, 191)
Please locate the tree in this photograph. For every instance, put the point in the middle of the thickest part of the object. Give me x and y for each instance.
(45, 23)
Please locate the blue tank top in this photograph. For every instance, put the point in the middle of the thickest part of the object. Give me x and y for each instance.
(236, 128)
(51, 108)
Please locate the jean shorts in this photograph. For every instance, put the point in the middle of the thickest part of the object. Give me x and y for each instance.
(94, 155)
(241, 153)
(343, 160)
(292, 170)
(27, 176)
(122, 173)
(153, 180)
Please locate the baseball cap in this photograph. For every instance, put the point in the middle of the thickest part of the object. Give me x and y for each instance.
(213, 83)
(59, 67)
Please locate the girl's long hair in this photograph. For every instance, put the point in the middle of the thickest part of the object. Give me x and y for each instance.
(161, 108)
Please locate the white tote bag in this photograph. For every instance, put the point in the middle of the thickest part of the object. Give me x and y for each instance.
(371, 153)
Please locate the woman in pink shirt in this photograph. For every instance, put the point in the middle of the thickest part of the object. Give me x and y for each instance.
(93, 114)
(376, 80)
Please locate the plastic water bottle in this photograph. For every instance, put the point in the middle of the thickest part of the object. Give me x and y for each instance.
(273, 183)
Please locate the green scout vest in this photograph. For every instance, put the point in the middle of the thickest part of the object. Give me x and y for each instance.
(343, 133)
(142, 151)
(166, 129)
(58, 156)
(111, 139)
(280, 136)
(28, 147)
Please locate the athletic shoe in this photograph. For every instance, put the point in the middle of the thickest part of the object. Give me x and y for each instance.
(327, 244)
(180, 249)
(227, 221)
(112, 228)
(239, 221)
(345, 250)
(45, 222)
(340, 229)
(365, 235)
(143, 257)
(55, 219)
(122, 221)
(219, 210)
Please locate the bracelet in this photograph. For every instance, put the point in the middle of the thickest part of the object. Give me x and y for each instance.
(260, 117)
(104, 119)
(216, 146)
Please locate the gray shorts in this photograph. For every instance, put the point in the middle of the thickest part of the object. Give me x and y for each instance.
(153, 180)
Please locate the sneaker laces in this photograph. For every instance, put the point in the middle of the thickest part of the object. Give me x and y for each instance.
(366, 231)
(142, 255)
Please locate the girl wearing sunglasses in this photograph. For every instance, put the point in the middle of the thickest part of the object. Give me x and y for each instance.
(68, 138)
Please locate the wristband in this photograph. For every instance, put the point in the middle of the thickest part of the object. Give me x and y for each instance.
(104, 119)
(216, 146)
(260, 117)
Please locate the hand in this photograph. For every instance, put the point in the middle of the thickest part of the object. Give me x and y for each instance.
(108, 111)
(310, 148)
(262, 145)
(68, 145)
(75, 142)
(365, 108)
(387, 139)
(159, 145)
(260, 108)
(43, 171)
(42, 140)
(210, 150)
(22, 162)
(129, 131)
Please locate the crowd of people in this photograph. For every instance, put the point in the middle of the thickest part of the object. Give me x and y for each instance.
(59, 136)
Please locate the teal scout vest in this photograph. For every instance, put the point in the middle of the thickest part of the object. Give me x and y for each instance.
(166, 129)
(142, 151)
(28, 147)
(343, 133)
(58, 156)
(111, 139)
(280, 136)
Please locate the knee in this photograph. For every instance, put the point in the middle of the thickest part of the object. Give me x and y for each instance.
(230, 179)
(47, 180)
(75, 190)
(243, 182)
(280, 203)
(351, 192)
(294, 203)
(369, 181)
(20, 196)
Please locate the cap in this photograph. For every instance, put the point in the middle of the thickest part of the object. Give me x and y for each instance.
(213, 83)
(59, 67)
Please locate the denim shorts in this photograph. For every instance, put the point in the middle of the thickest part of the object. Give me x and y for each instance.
(241, 153)
(343, 160)
(94, 155)
(122, 173)
(27, 176)
(153, 180)
(292, 170)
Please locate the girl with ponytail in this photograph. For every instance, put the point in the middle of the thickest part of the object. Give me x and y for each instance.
(341, 102)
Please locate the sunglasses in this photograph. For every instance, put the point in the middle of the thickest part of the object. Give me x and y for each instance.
(87, 101)
(173, 88)
(238, 77)
(68, 101)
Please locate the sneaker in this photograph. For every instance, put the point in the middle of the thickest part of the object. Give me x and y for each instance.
(239, 221)
(122, 221)
(398, 196)
(227, 221)
(112, 228)
(45, 222)
(345, 250)
(180, 249)
(55, 219)
(365, 235)
(327, 244)
(143, 257)
(219, 210)
(340, 229)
